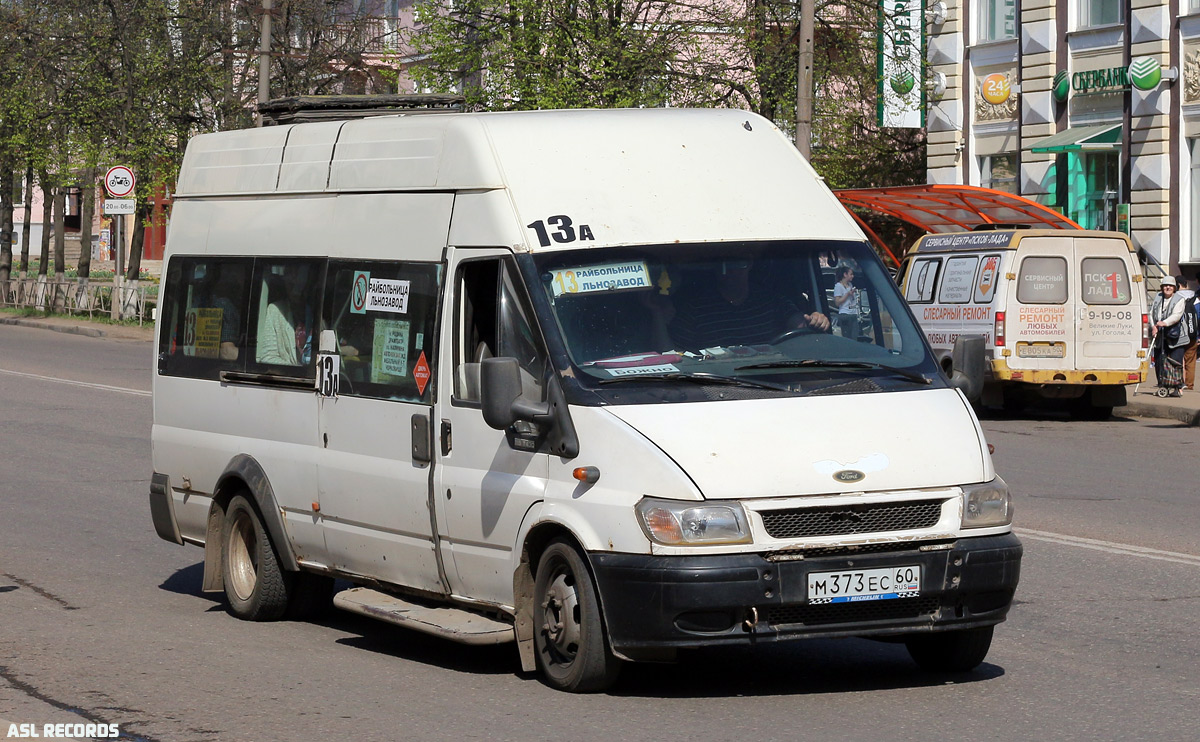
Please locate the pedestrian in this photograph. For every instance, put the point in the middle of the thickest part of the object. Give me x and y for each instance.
(1189, 315)
(1170, 338)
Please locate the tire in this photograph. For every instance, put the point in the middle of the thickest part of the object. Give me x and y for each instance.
(569, 638)
(255, 586)
(951, 651)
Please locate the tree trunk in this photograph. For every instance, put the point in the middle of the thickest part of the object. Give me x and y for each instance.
(6, 226)
(139, 238)
(25, 230)
(60, 247)
(47, 227)
(86, 214)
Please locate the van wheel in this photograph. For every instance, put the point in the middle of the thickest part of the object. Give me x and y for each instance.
(256, 587)
(951, 651)
(572, 649)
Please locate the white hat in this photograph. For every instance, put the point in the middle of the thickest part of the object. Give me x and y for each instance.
(1169, 281)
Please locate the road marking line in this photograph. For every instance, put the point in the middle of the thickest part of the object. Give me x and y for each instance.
(89, 385)
(1110, 547)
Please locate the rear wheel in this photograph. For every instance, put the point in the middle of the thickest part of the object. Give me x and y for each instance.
(255, 585)
(951, 651)
(572, 649)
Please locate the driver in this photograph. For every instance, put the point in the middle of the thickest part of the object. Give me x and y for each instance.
(733, 311)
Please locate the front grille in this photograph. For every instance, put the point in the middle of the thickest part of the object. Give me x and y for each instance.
(876, 610)
(837, 520)
(819, 552)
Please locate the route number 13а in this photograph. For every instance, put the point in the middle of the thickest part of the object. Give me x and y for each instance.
(564, 230)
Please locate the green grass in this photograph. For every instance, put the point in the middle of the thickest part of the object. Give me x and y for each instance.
(72, 272)
(97, 318)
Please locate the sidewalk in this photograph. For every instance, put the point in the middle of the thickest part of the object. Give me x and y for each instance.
(1142, 401)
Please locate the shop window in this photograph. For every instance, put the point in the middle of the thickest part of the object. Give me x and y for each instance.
(1195, 196)
(1042, 280)
(1102, 188)
(999, 172)
(998, 20)
(1100, 12)
(384, 315)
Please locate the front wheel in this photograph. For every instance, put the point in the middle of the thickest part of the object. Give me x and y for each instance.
(255, 585)
(572, 650)
(951, 651)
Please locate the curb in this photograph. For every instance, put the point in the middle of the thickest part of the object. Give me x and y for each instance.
(1163, 412)
(91, 332)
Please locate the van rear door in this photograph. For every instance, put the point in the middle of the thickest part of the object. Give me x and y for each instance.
(1109, 332)
(1041, 308)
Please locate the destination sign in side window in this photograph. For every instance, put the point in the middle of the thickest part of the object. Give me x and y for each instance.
(922, 280)
(1042, 280)
(958, 280)
(1105, 281)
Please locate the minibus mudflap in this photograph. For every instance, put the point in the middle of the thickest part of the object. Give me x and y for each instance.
(653, 603)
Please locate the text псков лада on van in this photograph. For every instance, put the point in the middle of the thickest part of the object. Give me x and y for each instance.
(1062, 311)
(567, 379)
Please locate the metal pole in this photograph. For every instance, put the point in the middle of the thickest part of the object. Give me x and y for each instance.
(804, 79)
(264, 57)
(118, 241)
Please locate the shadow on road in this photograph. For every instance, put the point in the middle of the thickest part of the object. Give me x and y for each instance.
(805, 667)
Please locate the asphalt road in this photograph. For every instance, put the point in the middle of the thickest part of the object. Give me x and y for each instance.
(101, 621)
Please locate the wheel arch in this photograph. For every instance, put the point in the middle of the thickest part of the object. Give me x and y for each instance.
(539, 530)
(243, 474)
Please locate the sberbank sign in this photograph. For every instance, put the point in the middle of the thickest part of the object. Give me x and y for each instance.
(1143, 73)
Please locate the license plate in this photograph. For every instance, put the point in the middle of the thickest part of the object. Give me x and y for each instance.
(855, 585)
(1057, 350)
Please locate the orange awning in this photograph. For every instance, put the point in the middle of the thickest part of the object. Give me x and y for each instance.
(951, 208)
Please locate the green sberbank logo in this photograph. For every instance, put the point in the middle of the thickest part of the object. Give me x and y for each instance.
(1145, 73)
(1062, 86)
(903, 83)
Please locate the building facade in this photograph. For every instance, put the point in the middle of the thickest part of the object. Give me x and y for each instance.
(1090, 107)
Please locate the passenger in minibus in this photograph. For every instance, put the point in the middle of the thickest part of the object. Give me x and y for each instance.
(729, 310)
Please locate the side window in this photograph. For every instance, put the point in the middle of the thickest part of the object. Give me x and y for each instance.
(384, 315)
(1042, 280)
(204, 325)
(989, 273)
(922, 280)
(1105, 281)
(957, 280)
(285, 301)
(492, 319)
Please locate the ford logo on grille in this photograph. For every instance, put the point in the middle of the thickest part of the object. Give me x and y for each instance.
(849, 475)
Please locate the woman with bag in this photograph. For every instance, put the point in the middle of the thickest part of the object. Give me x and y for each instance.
(1170, 338)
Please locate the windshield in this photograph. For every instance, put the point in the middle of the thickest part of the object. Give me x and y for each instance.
(776, 317)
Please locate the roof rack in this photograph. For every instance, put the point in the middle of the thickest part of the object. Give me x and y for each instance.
(306, 108)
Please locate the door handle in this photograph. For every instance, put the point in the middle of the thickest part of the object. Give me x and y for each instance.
(447, 438)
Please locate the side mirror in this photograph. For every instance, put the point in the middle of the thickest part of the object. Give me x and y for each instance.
(968, 366)
(500, 392)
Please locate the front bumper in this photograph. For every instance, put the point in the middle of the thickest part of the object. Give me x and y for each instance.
(657, 603)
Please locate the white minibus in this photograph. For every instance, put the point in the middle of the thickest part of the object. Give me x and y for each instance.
(566, 379)
(1063, 312)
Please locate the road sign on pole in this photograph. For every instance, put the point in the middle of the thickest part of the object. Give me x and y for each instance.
(119, 181)
(119, 206)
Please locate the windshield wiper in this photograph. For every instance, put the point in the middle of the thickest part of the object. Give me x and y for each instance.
(814, 363)
(698, 378)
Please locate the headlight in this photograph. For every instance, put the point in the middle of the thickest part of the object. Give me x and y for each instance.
(986, 505)
(680, 523)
